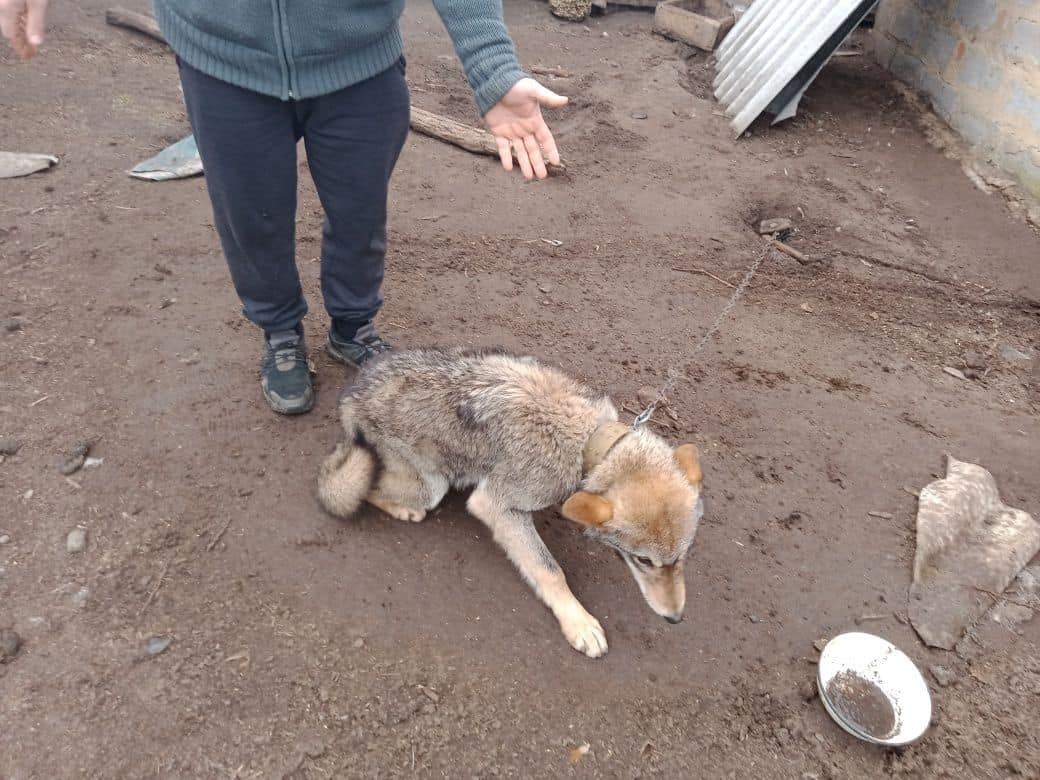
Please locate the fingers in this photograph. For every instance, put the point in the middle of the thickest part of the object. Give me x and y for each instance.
(505, 153)
(11, 27)
(36, 22)
(23, 24)
(549, 99)
(548, 143)
(534, 153)
(520, 150)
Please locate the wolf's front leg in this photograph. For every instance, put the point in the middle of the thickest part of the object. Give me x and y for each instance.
(515, 533)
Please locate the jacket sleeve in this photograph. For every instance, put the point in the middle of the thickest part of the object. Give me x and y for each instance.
(483, 44)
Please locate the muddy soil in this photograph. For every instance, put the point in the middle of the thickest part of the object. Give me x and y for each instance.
(299, 646)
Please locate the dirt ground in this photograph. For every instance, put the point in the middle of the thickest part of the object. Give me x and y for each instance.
(304, 647)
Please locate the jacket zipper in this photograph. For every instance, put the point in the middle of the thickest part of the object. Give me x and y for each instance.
(282, 42)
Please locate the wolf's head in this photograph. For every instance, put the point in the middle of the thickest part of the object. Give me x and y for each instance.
(643, 499)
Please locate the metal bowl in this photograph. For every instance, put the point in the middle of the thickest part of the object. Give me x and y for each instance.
(872, 690)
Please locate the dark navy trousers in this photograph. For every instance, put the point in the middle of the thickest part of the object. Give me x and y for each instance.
(247, 142)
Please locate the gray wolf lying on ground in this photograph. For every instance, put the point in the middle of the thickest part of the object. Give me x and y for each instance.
(525, 437)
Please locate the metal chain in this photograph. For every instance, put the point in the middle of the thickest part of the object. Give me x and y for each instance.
(673, 374)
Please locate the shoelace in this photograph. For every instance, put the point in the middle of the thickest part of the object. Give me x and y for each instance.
(368, 338)
(285, 358)
(375, 345)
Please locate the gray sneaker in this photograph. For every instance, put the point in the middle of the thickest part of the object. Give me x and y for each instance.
(365, 345)
(284, 374)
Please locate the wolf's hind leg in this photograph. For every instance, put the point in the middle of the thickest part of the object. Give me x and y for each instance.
(399, 491)
(515, 533)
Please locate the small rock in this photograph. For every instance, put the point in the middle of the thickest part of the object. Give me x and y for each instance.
(158, 644)
(754, 618)
(429, 694)
(5, 539)
(1028, 581)
(880, 515)
(9, 446)
(359, 643)
(76, 541)
(807, 690)
(638, 115)
(971, 373)
(167, 302)
(646, 395)
(806, 308)
(11, 326)
(313, 748)
(819, 644)
(776, 225)
(545, 288)
(79, 598)
(974, 360)
(944, 676)
(578, 754)
(954, 372)
(10, 644)
(1015, 355)
(75, 459)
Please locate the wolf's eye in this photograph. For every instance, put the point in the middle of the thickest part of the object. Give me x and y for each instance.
(644, 561)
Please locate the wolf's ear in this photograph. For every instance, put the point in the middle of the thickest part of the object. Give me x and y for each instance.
(689, 459)
(587, 509)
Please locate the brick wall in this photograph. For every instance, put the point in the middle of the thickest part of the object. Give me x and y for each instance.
(979, 63)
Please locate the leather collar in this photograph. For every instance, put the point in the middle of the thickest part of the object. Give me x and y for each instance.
(602, 441)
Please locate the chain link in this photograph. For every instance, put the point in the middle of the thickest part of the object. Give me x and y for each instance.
(673, 373)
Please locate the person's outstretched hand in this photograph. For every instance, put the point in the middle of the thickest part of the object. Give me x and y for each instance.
(517, 124)
(23, 23)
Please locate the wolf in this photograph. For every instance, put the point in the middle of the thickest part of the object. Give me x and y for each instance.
(524, 436)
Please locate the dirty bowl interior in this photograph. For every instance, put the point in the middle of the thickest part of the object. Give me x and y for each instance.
(872, 690)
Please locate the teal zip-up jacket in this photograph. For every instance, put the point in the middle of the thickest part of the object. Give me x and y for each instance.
(294, 49)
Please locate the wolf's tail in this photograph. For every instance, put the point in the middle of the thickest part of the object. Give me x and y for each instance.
(346, 477)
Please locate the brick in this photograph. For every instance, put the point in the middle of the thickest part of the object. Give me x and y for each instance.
(700, 23)
(979, 72)
(1026, 103)
(976, 15)
(1023, 42)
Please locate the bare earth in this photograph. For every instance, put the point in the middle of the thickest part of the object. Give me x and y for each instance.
(305, 647)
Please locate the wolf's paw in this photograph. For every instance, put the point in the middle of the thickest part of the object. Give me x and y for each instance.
(408, 515)
(397, 511)
(584, 633)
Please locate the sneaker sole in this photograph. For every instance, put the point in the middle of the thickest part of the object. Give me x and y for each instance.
(290, 408)
(341, 357)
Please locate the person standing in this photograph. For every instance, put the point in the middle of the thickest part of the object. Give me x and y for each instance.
(261, 75)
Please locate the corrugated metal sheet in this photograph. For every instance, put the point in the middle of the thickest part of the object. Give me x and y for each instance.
(776, 50)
